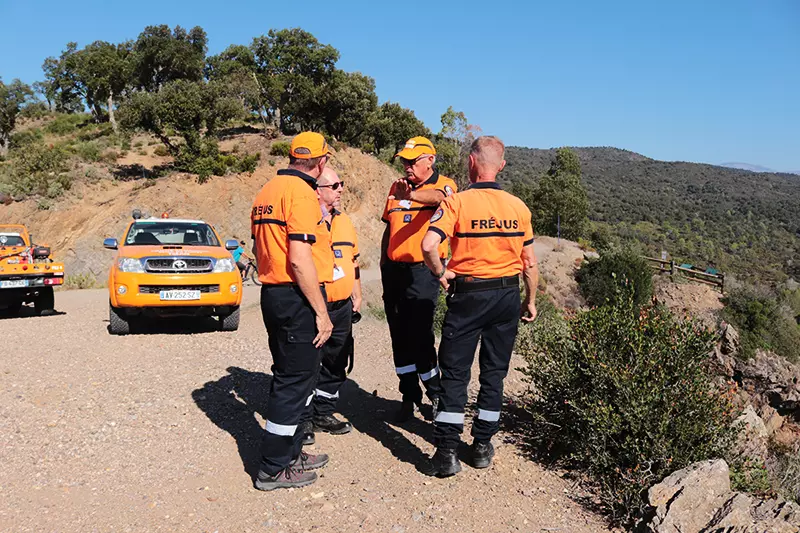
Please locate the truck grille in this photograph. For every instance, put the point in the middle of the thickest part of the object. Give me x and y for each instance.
(179, 265)
(155, 289)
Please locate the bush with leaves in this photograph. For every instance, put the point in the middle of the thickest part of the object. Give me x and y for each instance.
(64, 124)
(36, 170)
(599, 279)
(764, 321)
(280, 149)
(624, 395)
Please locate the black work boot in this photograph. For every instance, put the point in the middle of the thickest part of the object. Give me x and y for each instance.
(406, 412)
(444, 463)
(307, 429)
(482, 453)
(287, 478)
(331, 424)
(306, 461)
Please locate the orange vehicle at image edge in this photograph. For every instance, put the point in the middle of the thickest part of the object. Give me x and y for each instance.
(27, 272)
(172, 267)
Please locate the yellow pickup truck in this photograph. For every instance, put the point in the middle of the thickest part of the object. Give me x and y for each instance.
(27, 272)
(172, 267)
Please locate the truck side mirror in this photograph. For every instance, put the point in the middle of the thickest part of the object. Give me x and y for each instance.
(111, 244)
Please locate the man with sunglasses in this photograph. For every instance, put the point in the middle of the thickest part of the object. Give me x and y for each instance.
(344, 298)
(410, 290)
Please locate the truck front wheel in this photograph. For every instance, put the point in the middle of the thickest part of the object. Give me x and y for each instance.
(118, 323)
(45, 302)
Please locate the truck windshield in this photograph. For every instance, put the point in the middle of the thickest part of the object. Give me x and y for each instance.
(167, 232)
(11, 240)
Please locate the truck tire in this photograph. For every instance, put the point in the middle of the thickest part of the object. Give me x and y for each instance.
(45, 302)
(230, 322)
(117, 323)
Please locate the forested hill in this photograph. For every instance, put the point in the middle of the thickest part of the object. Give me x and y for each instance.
(741, 221)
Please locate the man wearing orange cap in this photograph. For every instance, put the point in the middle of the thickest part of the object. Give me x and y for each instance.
(285, 223)
(410, 290)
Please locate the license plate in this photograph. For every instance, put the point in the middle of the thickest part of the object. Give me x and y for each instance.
(13, 283)
(179, 295)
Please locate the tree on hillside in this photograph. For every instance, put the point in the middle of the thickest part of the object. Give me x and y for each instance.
(291, 66)
(453, 143)
(235, 58)
(102, 72)
(12, 97)
(161, 55)
(390, 126)
(188, 108)
(60, 85)
(346, 103)
(560, 198)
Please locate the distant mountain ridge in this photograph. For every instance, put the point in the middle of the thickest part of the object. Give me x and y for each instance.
(740, 221)
(757, 168)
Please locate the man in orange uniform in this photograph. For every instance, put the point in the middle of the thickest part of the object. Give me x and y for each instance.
(491, 241)
(285, 223)
(410, 290)
(344, 298)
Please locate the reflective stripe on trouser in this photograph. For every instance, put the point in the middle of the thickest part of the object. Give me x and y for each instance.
(291, 328)
(335, 356)
(491, 317)
(409, 299)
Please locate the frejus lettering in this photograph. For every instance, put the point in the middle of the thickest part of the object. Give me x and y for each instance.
(259, 210)
(492, 223)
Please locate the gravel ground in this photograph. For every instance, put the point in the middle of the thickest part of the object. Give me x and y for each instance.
(160, 432)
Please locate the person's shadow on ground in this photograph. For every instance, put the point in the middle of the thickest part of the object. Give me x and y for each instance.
(232, 401)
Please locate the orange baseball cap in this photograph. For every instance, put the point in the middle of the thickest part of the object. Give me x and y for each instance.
(415, 147)
(308, 145)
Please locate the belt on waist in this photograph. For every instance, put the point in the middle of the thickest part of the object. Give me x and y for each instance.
(287, 284)
(470, 284)
(338, 304)
(407, 264)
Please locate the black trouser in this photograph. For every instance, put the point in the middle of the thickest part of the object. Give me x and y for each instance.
(335, 355)
(492, 316)
(291, 328)
(410, 291)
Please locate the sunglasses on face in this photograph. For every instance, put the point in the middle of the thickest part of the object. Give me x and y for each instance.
(334, 186)
(408, 162)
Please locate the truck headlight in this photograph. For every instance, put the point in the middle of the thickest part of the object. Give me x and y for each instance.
(224, 265)
(130, 264)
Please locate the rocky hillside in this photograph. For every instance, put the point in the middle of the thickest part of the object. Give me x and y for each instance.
(75, 225)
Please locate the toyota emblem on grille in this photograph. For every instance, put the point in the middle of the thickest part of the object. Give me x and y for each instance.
(180, 264)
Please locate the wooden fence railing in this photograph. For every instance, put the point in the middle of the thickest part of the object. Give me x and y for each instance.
(717, 280)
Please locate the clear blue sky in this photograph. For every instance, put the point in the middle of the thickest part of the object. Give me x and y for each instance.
(693, 80)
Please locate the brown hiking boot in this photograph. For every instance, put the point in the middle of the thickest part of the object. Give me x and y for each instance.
(285, 479)
(305, 461)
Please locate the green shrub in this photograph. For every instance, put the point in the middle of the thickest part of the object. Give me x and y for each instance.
(64, 124)
(37, 170)
(138, 144)
(280, 149)
(763, 321)
(599, 279)
(34, 110)
(44, 204)
(206, 161)
(26, 137)
(751, 476)
(161, 151)
(88, 151)
(624, 395)
(376, 311)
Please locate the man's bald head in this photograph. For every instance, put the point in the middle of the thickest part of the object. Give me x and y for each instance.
(329, 198)
(328, 177)
(486, 156)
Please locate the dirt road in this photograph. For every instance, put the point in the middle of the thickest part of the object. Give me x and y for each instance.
(160, 432)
